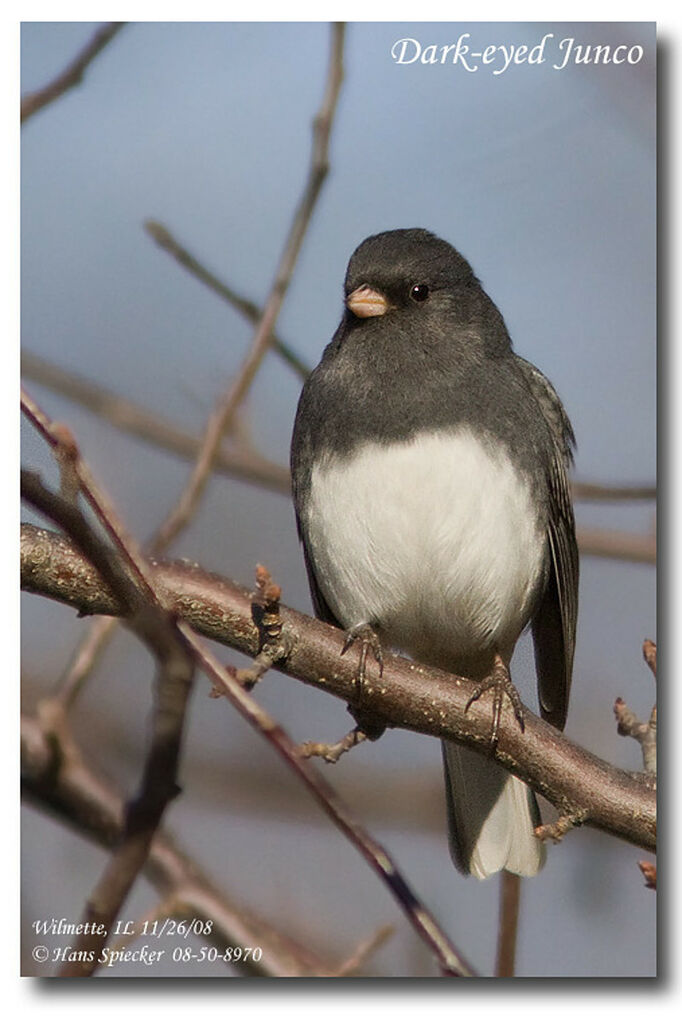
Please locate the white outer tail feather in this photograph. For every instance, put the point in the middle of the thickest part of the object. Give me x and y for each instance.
(491, 816)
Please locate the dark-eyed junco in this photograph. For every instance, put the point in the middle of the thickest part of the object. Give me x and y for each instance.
(429, 468)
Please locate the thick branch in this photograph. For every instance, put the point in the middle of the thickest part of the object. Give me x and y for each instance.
(225, 684)
(407, 696)
(127, 574)
(70, 789)
(171, 641)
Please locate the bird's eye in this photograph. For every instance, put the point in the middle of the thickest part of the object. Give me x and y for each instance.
(420, 292)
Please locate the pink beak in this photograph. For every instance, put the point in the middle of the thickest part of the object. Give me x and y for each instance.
(366, 301)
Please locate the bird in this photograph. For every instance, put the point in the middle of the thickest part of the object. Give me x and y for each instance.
(430, 476)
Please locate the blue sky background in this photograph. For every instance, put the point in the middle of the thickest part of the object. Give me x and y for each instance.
(545, 180)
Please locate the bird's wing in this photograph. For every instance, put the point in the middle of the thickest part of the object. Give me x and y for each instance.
(320, 606)
(554, 623)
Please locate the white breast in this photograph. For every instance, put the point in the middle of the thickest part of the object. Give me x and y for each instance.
(435, 539)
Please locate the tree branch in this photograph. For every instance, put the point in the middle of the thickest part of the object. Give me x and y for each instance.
(508, 925)
(128, 416)
(248, 309)
(135, 419)
(630, 547)
(407, 696)
(72, 75)
(66, 786)
(127, 574)
(223, 415)
(145, 605)
(225, 684)
(583, 491)
(158, 786)
(630, 725)
(253, 468)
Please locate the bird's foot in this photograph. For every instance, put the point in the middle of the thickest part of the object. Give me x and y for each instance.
(370, 641)
(500, 682)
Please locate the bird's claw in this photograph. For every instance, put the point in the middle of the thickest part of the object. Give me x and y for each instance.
(370, 641)
(499, 680)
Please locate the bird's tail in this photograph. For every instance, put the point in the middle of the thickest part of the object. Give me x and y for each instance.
(491, 816)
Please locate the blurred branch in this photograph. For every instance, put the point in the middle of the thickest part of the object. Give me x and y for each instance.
(246, 307)
(253, 468)
(223, 415)
(72, 75)
(87, 654)
(132, 585)
(135, 419)
(206, 450)
(649, 652)
(649, 871)
(364, 951)
(508, 924)
(57, 779)
(427, 928)
(628, 547)
(612, 492)
(128, 576)
(145, 605)
(406, 696)
(227, 685)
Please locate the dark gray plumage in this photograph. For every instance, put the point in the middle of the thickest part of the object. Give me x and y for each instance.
(429, 467)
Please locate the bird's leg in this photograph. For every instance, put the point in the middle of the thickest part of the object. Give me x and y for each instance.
(369, 639)
(371, 726)
(499, 680)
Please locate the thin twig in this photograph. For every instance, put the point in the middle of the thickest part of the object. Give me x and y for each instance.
(273, 643)
(649, 871)
(135, 419)
(583, 491)
(174, 678)
(253, 468)
(565, 823)
(223, 415)
(158, 786)
(365, 950)
(649, 652)
(407, 696)
(63, 444)
(630, 725)
(208, 451)
(250, 310)
(72, 75)
(331, 752)
(643, 732)
(84, 800)
(129, 577)
(83, 661)
(450, 960)
(510, 898)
